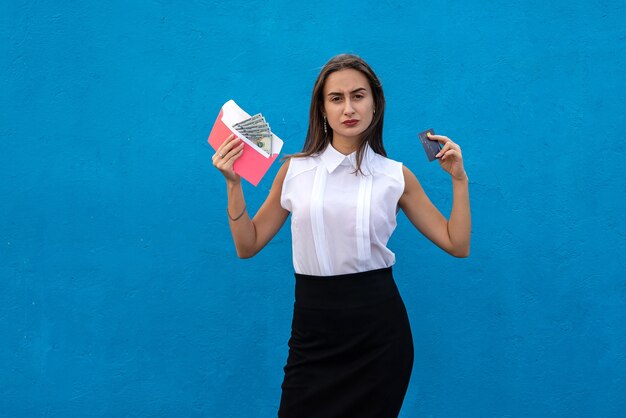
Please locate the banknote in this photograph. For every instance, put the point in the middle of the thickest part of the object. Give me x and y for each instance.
(257, 130)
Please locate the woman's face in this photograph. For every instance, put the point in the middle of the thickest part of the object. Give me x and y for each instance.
(348, 104)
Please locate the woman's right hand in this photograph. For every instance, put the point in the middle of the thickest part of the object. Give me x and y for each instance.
(226, 155)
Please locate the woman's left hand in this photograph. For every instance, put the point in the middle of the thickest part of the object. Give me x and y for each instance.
(450, 157)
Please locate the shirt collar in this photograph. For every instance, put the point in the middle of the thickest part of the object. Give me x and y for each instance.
(333, 159)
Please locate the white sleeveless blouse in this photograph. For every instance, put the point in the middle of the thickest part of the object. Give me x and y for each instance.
(341, 221)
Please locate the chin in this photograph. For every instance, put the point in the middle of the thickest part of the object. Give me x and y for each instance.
(348, 133)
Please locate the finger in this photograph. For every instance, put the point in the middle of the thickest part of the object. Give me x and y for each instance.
(235, 151)
(235, 144)
(225, 152)
(452, 153)
(230, 160)
(441, 138)
(225, 146)
(226, 141)
(219, 154)
(444, 149)
(218, 162)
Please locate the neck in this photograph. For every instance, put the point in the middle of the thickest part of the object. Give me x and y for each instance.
(344, 145)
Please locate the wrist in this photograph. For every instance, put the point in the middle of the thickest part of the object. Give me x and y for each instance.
(461, 179)
(236, 218)
(233, 184)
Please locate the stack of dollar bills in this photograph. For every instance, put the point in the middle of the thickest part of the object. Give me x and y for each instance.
(257, 130)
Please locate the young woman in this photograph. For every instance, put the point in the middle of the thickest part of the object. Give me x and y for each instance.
(351, 349)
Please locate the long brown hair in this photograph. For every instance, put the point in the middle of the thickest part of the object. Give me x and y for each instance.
(316, 139)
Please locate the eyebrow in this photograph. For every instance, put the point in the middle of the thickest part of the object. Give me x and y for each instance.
(334, 93)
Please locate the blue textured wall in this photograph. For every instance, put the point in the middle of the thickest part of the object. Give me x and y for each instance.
(120, 291)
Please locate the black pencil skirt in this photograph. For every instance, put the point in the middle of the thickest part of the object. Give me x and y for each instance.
(351, 349)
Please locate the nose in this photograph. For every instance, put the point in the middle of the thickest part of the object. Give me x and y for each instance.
(348, 110)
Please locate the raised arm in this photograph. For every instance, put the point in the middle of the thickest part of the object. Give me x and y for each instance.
(453, 235)
(249, 235)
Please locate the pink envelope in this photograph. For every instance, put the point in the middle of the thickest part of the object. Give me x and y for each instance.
(254, 162)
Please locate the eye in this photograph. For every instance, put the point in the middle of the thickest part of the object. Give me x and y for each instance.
(335, 99)
(358, 96)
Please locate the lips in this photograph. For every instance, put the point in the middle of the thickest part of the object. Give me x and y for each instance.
(350, 122)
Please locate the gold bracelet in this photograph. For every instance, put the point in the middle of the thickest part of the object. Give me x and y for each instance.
(236, 218)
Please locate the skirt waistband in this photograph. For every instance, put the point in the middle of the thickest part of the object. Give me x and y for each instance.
(353, 290)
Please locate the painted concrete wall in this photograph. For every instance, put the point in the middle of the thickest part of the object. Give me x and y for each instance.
(120, 292)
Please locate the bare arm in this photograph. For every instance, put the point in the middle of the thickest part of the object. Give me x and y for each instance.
(453, 235)
(249, 235)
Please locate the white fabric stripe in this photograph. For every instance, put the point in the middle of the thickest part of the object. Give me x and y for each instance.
(360, 244)
(364, 250)
(317, 220)
(367, 203)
